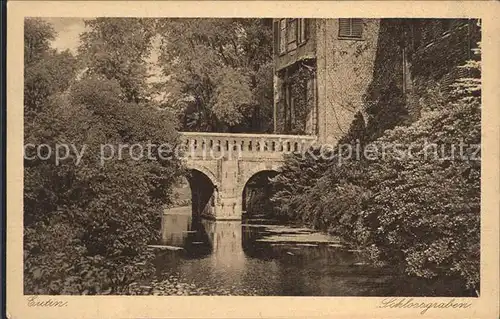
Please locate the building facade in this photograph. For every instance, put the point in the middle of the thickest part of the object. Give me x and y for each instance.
(328, 71)
(322, 68)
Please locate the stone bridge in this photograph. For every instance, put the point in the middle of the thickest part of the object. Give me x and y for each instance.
(221, 164)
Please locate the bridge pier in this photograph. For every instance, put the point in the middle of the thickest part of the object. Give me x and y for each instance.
(227, 201)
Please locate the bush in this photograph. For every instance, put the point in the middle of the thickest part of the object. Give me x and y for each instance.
(111, 212)
(421, 215)
(428, 210)
(87, 225)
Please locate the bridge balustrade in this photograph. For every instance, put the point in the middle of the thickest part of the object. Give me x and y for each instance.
(199, 142)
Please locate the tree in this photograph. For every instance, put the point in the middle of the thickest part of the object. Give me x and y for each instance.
(119, 48)
(219, 72)
(37, 37)
(419, 214)
(87, 225)
(47, 74)
(44, 77)
(46, 71)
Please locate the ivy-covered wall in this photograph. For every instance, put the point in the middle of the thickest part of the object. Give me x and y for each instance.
(384, 103)
(415, 61)
(296, 107)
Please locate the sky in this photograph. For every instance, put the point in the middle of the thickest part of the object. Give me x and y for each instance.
(68, 35)
(68, 32)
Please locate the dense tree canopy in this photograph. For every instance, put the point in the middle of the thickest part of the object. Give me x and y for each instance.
(88, 223)
(219, 72)
(119, 48)
(37, 36)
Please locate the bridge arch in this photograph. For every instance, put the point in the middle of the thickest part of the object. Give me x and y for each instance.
(193, 165)
(256, 193)
(261, 167)
(203, 184)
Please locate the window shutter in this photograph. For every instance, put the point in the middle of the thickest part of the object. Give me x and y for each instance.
(351, 28)
(344, 28)
(282, 36)
(357, 28)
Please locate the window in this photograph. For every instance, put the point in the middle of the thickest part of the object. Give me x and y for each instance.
(276, 37)
(302, 34)
(289, 33)
(282, 37)
(292, 34)
(292, 30)
(351, 28)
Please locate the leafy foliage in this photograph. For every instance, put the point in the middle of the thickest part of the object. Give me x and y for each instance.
(87, 224)
(219, 72)
(429, 209)
(37, 37)
(119, 48)
(295, 180)
(421, 214)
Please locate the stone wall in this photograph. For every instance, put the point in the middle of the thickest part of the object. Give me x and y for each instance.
(344, 72)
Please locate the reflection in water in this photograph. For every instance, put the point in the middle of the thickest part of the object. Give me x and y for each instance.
(175, 228)
(228, 258)
(225, 240)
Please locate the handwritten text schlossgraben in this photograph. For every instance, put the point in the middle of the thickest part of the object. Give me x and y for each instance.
(410, 303)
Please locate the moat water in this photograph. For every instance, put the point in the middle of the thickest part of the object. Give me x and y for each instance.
(259, 257)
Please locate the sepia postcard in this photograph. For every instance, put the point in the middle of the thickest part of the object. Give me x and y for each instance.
(253, 159)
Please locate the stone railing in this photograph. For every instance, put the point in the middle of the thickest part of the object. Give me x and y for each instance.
(199, 142)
